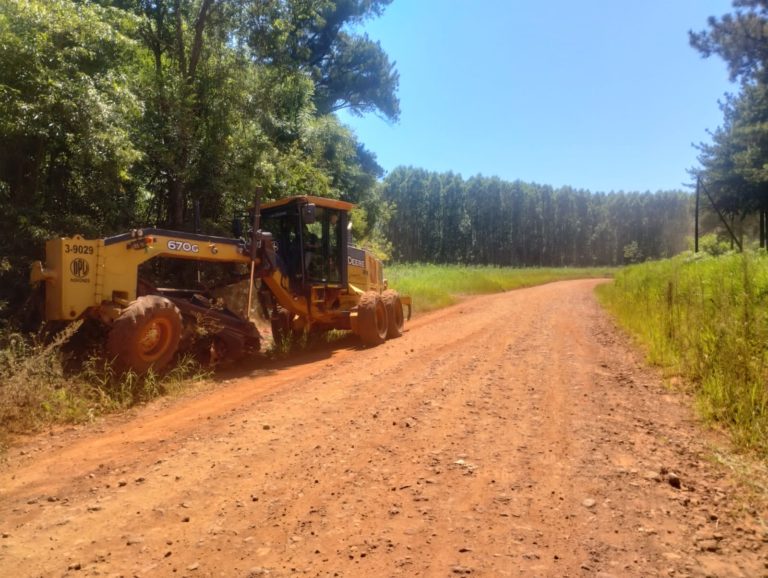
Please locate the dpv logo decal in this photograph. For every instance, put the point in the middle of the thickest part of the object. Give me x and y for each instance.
(79, 268)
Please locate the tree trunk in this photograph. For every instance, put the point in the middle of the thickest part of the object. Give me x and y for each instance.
(197, 43)
(177, 203)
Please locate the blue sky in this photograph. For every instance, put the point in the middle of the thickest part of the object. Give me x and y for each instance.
(595, 94)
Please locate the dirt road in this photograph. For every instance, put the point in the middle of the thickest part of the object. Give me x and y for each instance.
(511, 435)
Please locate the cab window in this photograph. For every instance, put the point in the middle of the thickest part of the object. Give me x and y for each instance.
(322, 246)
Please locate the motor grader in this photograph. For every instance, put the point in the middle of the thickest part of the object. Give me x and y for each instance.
(296, 257)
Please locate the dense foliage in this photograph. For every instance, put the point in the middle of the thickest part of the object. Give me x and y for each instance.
(443, 218)
(705, 318)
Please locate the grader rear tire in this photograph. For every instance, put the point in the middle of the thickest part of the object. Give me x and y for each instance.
(372, 320)
(395, 316)
(146, 335)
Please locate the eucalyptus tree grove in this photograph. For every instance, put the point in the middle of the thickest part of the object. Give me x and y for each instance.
(442, 218)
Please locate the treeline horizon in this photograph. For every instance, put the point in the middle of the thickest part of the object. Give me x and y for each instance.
(444, 218)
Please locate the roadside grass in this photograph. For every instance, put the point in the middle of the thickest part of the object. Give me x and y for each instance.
(436, 286)
(38, 388)
(706, 319)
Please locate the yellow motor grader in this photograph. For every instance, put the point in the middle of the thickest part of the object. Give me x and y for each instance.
(296, 256)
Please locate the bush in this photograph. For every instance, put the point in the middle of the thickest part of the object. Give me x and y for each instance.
(713, 245)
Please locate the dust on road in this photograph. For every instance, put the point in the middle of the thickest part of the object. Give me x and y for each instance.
(510, 435)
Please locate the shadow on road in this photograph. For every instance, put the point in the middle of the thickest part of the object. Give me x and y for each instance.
(317, 349)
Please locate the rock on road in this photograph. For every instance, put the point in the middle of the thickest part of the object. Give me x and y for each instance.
(510, 435)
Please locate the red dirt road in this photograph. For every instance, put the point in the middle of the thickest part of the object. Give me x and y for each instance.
(511, 435)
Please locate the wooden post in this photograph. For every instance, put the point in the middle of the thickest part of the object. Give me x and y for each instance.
(696, 228)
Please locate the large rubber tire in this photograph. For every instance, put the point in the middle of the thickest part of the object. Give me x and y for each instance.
(146, 335)
(372, 319)
(395, 317)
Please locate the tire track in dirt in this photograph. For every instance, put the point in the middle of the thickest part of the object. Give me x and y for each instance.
(510, 435)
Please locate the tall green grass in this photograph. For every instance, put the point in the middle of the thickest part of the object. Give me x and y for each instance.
(705, 318)
(436, 286)
(37, 388)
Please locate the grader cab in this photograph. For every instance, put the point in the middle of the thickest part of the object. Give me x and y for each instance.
(309, 278)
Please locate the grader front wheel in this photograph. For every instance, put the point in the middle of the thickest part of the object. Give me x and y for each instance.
(372, 319)
(146, 335)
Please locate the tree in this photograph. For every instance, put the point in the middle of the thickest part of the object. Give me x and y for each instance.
(67, 108)
(177, 85)
(740, 39)
(348, 70)
(735, 164)
(233, 100)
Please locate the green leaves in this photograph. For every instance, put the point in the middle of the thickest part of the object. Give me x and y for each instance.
(251, 112)
(358, 76)
(740, 39)
(67, 111)
(312, 36)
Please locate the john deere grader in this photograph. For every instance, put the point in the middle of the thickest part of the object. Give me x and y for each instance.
(296, 257)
